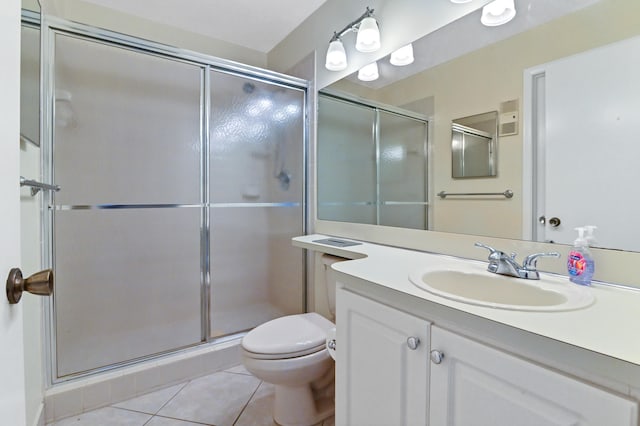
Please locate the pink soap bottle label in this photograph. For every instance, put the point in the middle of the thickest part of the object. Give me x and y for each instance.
(576, 264)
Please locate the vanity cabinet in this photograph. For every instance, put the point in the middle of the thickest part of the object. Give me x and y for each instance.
(445, 379)
(477, 385)
(382, 367)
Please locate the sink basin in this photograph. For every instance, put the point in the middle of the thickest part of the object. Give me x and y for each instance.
(473, 285)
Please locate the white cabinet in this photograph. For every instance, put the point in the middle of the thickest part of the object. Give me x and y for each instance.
(382, 362)
(476, 385)
(380, 380)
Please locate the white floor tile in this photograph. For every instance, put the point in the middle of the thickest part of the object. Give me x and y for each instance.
(215, 399)
(151, 402)
(259, 411)
(107, 416)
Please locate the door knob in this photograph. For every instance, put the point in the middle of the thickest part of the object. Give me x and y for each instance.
(555, 222)
(437, 356)
(413, 343)
(40, 283)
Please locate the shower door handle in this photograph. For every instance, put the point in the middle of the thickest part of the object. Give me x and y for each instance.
(40, 283)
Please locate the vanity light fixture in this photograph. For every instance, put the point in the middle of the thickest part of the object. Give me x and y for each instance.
(367, 40)
(402, 56)
(369, 72)
(498, 12)
(336, 56)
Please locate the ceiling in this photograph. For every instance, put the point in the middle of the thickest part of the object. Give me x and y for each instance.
(258, 25)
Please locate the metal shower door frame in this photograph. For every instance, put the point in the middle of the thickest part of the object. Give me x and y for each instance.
(50, 26)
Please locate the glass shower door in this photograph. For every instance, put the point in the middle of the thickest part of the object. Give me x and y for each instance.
(346, 141)
(403, 171)
(127, 222)
(256, 192)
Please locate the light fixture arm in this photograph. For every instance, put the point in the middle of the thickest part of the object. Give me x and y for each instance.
(353, 26)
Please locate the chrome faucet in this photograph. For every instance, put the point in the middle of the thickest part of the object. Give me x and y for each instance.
(501, 263)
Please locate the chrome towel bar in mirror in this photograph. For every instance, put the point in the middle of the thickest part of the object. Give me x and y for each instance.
(507, 194)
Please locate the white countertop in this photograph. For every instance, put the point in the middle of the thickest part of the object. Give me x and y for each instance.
(610, 326)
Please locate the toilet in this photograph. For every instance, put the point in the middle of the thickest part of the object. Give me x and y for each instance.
(290, 353)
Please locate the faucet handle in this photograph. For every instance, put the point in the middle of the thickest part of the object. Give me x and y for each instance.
(531, 260)
(491, 249)
(494, 254)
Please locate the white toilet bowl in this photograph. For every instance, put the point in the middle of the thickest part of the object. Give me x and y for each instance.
(290, 353)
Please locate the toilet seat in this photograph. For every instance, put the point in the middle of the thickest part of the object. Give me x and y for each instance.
(287, 337)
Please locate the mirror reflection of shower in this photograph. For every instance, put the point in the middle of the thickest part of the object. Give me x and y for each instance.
(271, 110)
(64, 114)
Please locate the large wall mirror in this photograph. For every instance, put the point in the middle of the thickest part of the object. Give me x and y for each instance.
(574, 104)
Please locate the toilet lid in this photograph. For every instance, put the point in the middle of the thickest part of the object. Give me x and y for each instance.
(289, 335)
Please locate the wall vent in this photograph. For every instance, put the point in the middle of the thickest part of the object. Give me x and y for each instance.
(509, 118)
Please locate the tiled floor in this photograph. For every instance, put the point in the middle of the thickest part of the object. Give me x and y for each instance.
(228, 398)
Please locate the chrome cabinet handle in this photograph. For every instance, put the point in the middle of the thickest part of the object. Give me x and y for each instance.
(413, 343)
(437, 356)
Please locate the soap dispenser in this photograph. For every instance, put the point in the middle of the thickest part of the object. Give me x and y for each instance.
(580, 265)
(591, 239)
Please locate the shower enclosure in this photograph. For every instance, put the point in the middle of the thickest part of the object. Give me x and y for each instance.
(182, 183)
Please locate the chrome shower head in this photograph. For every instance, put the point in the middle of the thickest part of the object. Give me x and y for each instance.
(248, 88)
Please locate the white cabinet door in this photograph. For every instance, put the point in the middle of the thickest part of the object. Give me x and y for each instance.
(476, 385)
(380, 379)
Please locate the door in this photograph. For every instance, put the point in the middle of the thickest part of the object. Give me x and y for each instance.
(256, 192)
(347, 188)
(381, 375)
(476, 385)
(402, 168)
(127, 225)
(12, 386)
(588, 168)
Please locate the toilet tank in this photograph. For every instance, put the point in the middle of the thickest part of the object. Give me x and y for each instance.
(330, 283)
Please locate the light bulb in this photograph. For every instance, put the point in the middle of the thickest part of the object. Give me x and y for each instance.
(498, 12)
(402, 56)
(336, 56)
(369, 72)
(368, 38)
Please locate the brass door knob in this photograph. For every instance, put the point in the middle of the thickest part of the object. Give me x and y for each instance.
(40, 283)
